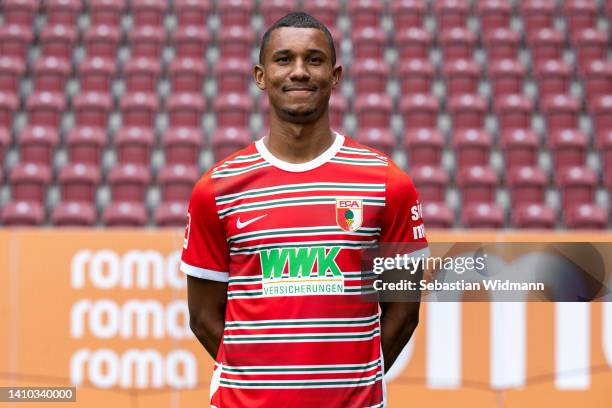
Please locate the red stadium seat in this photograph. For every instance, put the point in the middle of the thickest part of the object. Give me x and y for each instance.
(501, 44)
(408, 13)
(546, 44)
(11, 70)
(37, 145)
(134, 145)
(106, 12)
(586, 217)
(468, 111)
(597, 80)
(569, 148)
(45, 108)
(191, 42)
(236, 12)
(226, 141)
(235, 41)
(370, 76)
(185, 109)
(29, 182)
(412, 43)
(577, 186)
(477, 184)
(233, 75)
(506, 77)
(561, 112)
(415, 76)
(431, 182)
(176, 182)
(451, 13)
(338, 106)
(171, 214)
(438, 215)
(233, 110)
(533, 216)
(369, 42)
(457, 43)
(141, 74)
(482, 215)
(606, 153)
(494, 14)
(423, 147)
(14, 41)
(139, 109)
(514, 112)
(23, 214)
(85, 145)
(73, 214)
(187, 75)
(79, 182)
(8, 106)
(146, 42)
(590, 45)
(461, 77)
(92, 109)
(192, 12)
(149, 12)
(128, 182)
(365, 13)
(58, 41)
(19, 12)
(580, 15)
(102, 41)
(379, 139)
(520, 147)
(527, 185)
(601, 115)
(273, 10)
(124, 214)
(472, 147)
(537, 14)
(419, 111)
(553, 78)
(51, 74)
(182, 145)
(326, 11)
(373, 110)
(5, 141)
(96, 74)
(62, 12)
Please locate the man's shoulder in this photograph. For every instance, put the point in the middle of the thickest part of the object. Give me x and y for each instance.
(352, 144)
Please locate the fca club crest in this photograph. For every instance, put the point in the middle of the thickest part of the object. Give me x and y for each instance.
(349, 214)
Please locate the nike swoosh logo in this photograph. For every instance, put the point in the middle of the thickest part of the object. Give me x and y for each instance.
(241, 225)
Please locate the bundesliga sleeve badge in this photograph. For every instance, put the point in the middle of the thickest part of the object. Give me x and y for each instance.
(349, 214)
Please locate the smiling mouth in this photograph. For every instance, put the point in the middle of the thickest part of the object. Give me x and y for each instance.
(299, 90)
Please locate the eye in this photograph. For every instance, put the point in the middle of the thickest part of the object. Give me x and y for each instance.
(282, 60)
(316, 60)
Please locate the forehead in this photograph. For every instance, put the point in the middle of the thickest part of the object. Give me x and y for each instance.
(297, 39)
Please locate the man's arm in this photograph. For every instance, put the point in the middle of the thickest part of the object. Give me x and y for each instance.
(398, 321)
(207, 300)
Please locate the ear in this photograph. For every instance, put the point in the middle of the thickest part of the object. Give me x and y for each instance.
(336, 74)
(258, 74)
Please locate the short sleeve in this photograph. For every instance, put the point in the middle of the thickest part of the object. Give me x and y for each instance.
(205, 250)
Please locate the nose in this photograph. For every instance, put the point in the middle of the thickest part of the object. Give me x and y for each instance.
(299, 72)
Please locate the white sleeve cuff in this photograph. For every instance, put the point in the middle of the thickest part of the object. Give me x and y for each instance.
(204, 273)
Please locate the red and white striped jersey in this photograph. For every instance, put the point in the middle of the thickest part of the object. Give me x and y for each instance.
(288, 239)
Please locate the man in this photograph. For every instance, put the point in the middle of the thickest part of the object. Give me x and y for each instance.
(274, 242)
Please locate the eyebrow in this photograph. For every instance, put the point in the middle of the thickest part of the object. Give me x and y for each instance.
(310, 50)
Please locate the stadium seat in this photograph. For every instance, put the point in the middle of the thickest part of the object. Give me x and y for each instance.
(8, 106)
(58, 41)
(19, 12)
(501, 44)
(141, 74)
(146, 42)
(73, 214)
(124, 214)
(5, 141)
(236, 12)
(128, 182)
(553, 78)
(415, 76)
(561, 112)
(577, 186)
(597, 80)
(420, 111)
(85, 145)
(62, 12)
(451, 14)
(430, 181)
(506, 77)
(191, 42)
(235, 41)
(79, 182)
(148, 12)
(182, 146)
(233, 75)
(326, 11)
(601, 115)
(513, 112)
(51, 74)
(370, 76)
(408, 13)
(96, 74)
(472, 147)
(379, 139)
(192, 12)
(412, 43)
(106, 12)
(437, 215)
(365, 13)
(527, 185)
(45, 108)
(494, 14)
(176, 182)
(273, 10)
(468, 111)
(14, 41)
(579, 15)
(37, 144)
(102, 41)
(226, 141)
(185, 109)
(461, 77)
(533, 216)
(568, 147)
(537, 14)
(457, 43)
(477, 184)
(373, 110)
(134, 145)
(520, 148)
(233, 110)
(171, 214)
(369, 42)
(482, 215)
(11, 70)
(92, 109)
(590, 45)
(423, 147)
(29, 182)
(586, 217)
(139, 109)
(23, 214)
(546, 44)
(187, 75)
(605, 147)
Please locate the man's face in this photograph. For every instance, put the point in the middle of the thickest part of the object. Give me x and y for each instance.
(298, 74)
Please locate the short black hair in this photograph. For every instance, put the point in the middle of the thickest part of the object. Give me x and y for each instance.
(299, 20)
